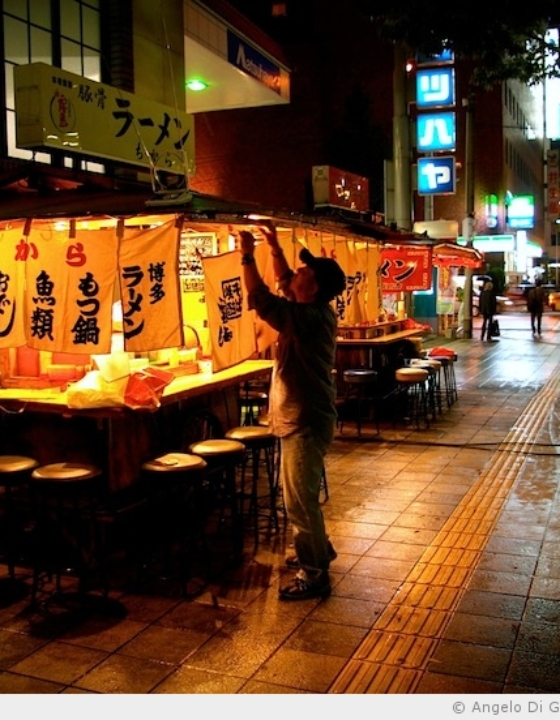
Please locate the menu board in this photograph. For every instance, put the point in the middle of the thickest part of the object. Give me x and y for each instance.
(192, 248)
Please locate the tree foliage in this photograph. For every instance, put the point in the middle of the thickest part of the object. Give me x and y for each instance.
(504, 40)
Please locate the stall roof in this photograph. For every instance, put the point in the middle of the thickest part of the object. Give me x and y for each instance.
(35, 190)
(450, 254)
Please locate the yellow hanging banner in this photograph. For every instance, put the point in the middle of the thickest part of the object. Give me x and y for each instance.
(69, 289)
(150, 290)
(12, 288)
(232, 330)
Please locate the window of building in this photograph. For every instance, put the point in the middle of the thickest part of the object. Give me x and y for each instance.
(62, 33)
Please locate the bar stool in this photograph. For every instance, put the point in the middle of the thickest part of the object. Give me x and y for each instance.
(434, 382)
(411, 387)
(260, 445)
(449, 379)
(15, 473)
(361, 385)
(253, 398)
(65, 497)
(175, 490)
(223, 456)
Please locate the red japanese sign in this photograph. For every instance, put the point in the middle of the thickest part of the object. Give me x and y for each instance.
(406, 268)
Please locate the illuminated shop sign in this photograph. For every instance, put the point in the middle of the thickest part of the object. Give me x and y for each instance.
(57, 109)
(253, 63)
(436, 132)
(436, 175)
(520, 212)
(491, 210)
(435, 87)
(445, 57)
(405, 269)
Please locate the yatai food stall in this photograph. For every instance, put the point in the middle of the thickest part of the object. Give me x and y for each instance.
(113, 328)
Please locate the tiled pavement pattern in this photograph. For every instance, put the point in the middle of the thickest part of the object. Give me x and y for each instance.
(447, 577)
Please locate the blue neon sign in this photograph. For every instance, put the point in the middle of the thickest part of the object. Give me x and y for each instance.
(435, 87)
(443, 58)
(436, 175)
(436, 132)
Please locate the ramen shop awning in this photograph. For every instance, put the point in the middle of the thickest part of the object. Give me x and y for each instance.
(453, 255)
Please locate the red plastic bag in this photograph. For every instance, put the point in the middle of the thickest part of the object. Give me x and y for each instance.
(441, 352)
(410, 324)
(145, 388)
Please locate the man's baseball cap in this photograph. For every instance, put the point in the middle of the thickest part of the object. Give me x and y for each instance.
(328, 274)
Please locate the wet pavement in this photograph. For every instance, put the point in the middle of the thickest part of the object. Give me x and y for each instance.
(447, 578)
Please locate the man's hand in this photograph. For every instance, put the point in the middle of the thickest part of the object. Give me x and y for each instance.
(247, 242)
(269, 231)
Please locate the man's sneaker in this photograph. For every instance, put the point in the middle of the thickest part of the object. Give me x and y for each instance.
(293, 563)
(300, 589)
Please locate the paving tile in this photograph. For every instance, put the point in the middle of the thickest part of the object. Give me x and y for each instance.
(433, 683)
(362, 587)
(474, 661)
(164, 644)
(15, 647)
(103, 633)
(239, 656)
(358, 528)
(548, 566)
(501, 582)
(409, 535)
(397, 551)
(383, 568)
(122, 674)
(347, 611)
(300, 670)
(478, 602)
(194, 681)
(536, 671)
(326, 638)
(545, 588)
(539, 637)
(59, 662)
(11, 683)
(481, 630)
(543, 610)
(359, 677)
(197, 616)
(409, 519)
(505, 562)
(147, 608)
(252, 687)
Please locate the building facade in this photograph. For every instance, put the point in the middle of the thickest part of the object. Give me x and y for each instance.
(297, 86)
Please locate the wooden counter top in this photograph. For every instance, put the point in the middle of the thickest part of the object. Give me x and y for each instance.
(382, 339)
(181, 388)
(192, 385)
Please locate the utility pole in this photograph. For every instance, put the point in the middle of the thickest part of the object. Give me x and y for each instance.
(401, 141)
(469, 223)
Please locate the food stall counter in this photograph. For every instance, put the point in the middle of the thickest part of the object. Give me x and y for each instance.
(39, 422)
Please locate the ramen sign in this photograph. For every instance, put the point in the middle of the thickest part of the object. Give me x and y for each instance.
(404, 269)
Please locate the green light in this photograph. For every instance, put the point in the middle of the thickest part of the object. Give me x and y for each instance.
(196, 85)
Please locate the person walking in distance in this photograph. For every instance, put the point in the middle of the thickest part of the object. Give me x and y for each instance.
(301, 410)
(487, 306)
(535, 305)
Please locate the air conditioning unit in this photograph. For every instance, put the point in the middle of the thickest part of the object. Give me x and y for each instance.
(339, 189)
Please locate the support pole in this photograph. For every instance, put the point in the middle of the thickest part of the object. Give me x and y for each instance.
(469, 221)
(401, 142)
